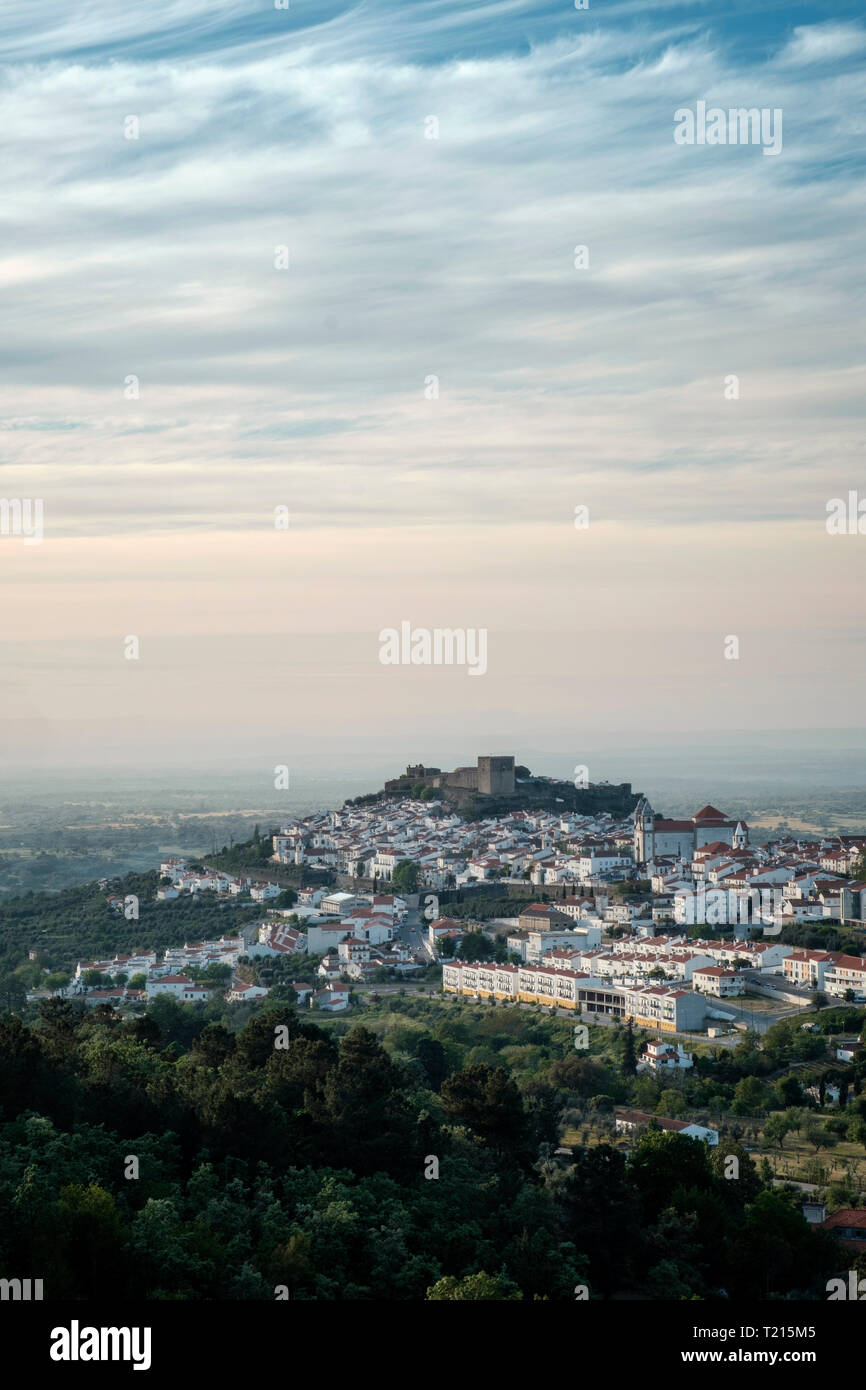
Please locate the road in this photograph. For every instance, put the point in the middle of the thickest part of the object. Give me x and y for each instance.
(412, 933)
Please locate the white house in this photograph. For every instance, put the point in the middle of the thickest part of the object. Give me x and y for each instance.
(263, 892)
(634, 1121)
(310, 897)
(333, 999)
(240, 993)
(179, 987)
(664, 1058)
(173, 869)
(445, 926)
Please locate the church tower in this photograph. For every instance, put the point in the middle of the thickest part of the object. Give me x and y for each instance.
(741, 836)
(644, 838)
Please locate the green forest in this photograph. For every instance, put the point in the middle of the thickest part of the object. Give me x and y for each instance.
(171, 1157)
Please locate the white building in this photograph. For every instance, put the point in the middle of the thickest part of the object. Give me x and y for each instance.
(332, 1000)
(665, 1058)
(718, 981)
(339, 904)
(320, 939)
(241, 993)
(264, 892)
(634, 1121)
(179, 987)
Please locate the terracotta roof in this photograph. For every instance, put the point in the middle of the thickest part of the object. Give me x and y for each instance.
(848, 1217)
(640, 1117)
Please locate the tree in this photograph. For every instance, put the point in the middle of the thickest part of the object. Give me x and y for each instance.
(90, 1240)
(94, 979)
(487, 1099)
(748, 1096)
(815, 1135)
(671, 1103)
(645, 1093)
(629, 1059)
(476, 1287)
(604, 1216)
(213, 1045)
(364, 1108)
(789, 1091)
(777, 1126)
(405, 877)
(475, 946)
(431, 1055)
(777, 1251)
(664, 1161)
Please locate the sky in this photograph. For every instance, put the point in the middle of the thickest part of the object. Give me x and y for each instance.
(297, 347)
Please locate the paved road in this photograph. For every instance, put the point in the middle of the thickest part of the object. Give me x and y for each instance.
(412, 932)
(758, 1020)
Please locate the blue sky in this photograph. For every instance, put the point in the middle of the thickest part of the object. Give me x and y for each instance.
(412, 258)
(421, 32)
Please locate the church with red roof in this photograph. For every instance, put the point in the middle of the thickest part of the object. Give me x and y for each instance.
(655, 837)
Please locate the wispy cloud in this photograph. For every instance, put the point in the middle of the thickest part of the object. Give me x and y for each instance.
(823, 43)
(412, 258)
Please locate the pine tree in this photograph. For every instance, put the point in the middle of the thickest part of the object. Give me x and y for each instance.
(629, 1059)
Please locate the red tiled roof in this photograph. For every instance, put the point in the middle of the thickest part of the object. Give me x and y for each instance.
(848, 1217)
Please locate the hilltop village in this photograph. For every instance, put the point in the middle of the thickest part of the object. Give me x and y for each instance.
(622, 917)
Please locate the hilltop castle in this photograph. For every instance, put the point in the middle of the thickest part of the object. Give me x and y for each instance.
(496, 786)
(491, 777)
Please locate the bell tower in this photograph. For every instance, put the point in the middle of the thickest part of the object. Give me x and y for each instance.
(644, 838)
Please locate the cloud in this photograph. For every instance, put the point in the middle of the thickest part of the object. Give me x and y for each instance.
(823, 43)
(412, 259)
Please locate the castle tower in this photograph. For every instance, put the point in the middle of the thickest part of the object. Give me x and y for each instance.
(495, 776)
